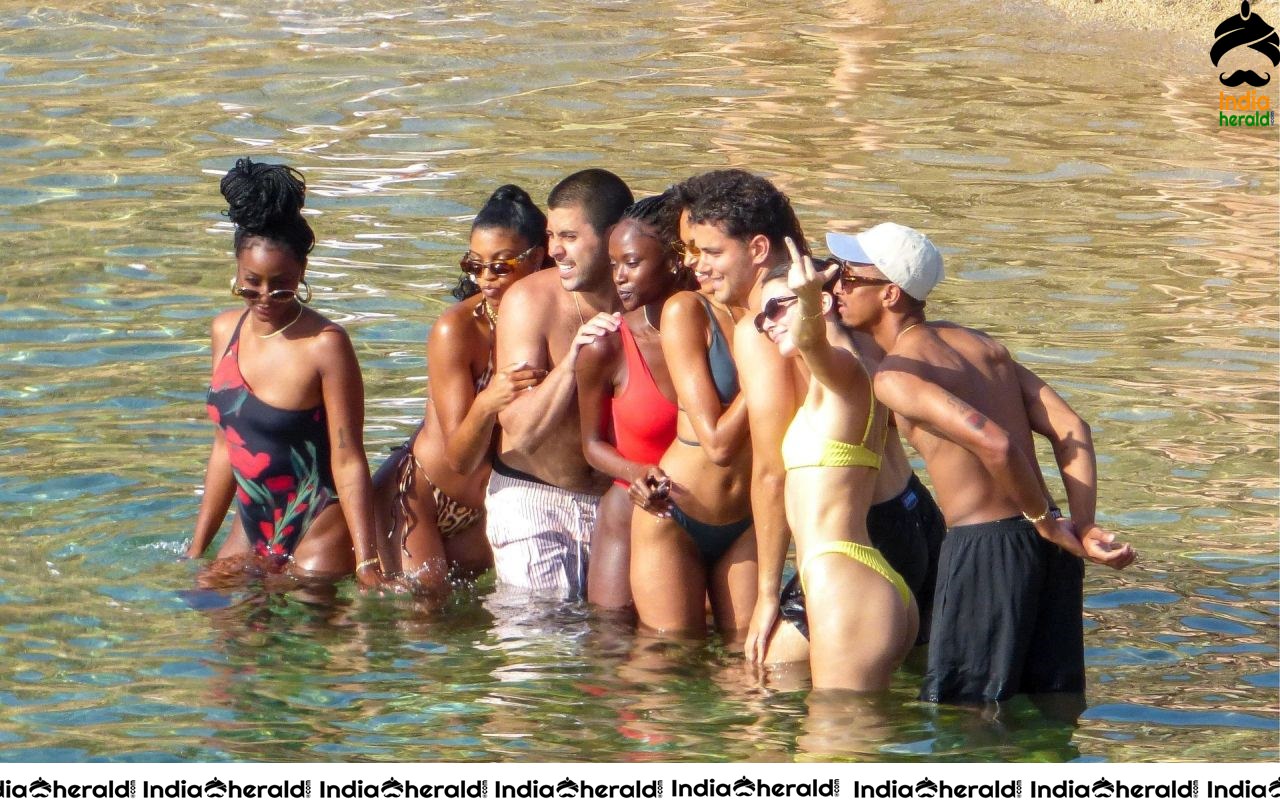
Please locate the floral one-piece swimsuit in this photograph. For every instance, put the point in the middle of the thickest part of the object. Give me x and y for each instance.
(279, 457)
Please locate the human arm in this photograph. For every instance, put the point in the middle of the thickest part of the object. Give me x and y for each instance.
(219, 488)
(835, 369)
(530, 418)
(1072, 441)
(770, 406)
(595, 371)
(342, 391)
(721, 431)
(467, 418)
(939, 412)
(219, 482)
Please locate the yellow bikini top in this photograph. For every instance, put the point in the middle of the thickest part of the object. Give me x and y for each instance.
(803, 448)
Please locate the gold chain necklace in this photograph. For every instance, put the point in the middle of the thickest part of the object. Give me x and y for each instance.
(491, 313)
(286, 327)
(904, 331)
(578, 307)
(645, 310)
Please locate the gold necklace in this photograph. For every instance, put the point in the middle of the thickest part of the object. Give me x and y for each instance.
(645, 310)
(905, 330)
(490, 313)
(286, 327)
(578, 307)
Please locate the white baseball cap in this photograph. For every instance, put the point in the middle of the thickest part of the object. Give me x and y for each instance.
(902, 254)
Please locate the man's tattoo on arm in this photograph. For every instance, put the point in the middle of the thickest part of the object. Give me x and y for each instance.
(974, 418)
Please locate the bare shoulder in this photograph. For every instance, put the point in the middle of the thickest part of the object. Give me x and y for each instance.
(970, 339)
(457, 321)
(746, 336)
(753, 350)
(896, 384)
(535, 300)
(224, 324)
(539, 286)
(221, 329)
(601, 354)
(330, 341)
(683, 305)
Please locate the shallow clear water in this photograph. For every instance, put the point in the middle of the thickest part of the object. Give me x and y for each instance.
(1092, 213)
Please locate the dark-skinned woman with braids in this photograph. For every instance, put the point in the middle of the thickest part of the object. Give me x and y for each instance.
(287, 402)
(626, 400)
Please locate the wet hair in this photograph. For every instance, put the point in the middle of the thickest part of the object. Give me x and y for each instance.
(511, 208)
(661, 214)
(602, 195)
(265, 200)
(744, 205)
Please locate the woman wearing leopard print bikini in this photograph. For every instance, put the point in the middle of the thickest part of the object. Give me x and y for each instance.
(429, 494)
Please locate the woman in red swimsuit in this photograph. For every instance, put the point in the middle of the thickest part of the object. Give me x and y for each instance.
(430, 493)
(625, 396)
(287, 401)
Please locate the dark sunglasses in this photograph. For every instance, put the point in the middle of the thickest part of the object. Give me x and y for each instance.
(850, 280)
(686, 249)
(773, 310)
(498, 267)
(251, 295)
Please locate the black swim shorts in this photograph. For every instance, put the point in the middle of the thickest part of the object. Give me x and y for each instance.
(1007, 616)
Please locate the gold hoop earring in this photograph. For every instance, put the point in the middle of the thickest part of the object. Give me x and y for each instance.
(306, 285)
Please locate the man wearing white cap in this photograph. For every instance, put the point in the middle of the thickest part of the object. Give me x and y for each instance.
(1008, 606)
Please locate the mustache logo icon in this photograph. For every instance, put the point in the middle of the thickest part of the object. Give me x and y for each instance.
(1242, 77)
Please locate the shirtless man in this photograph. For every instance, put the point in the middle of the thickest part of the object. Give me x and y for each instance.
(542, 495)
(733, 228)
(1008, 607)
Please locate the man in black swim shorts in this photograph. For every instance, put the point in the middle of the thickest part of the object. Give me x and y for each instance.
(1008, 603)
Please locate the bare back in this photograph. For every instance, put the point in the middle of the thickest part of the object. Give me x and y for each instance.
(459, 358)
(975, 371)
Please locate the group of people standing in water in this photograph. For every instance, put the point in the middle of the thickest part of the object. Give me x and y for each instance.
(644, 404)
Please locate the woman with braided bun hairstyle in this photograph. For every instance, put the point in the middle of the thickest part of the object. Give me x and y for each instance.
(286, 399)
(430, 492)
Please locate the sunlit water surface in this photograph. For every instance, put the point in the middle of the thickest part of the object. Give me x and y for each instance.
(1093, 216)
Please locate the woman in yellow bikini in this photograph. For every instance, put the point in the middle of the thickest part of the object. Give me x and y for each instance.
(862, 617)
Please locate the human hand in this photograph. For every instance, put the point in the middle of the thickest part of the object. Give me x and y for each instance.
(804, 279)
(509, 382)
(1062, 533)
(1100, 547)
(370, 576)
(763, 619)
(652, 493)
(600, 324)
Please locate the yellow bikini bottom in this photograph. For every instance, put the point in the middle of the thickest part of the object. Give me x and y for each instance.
(868, 556)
